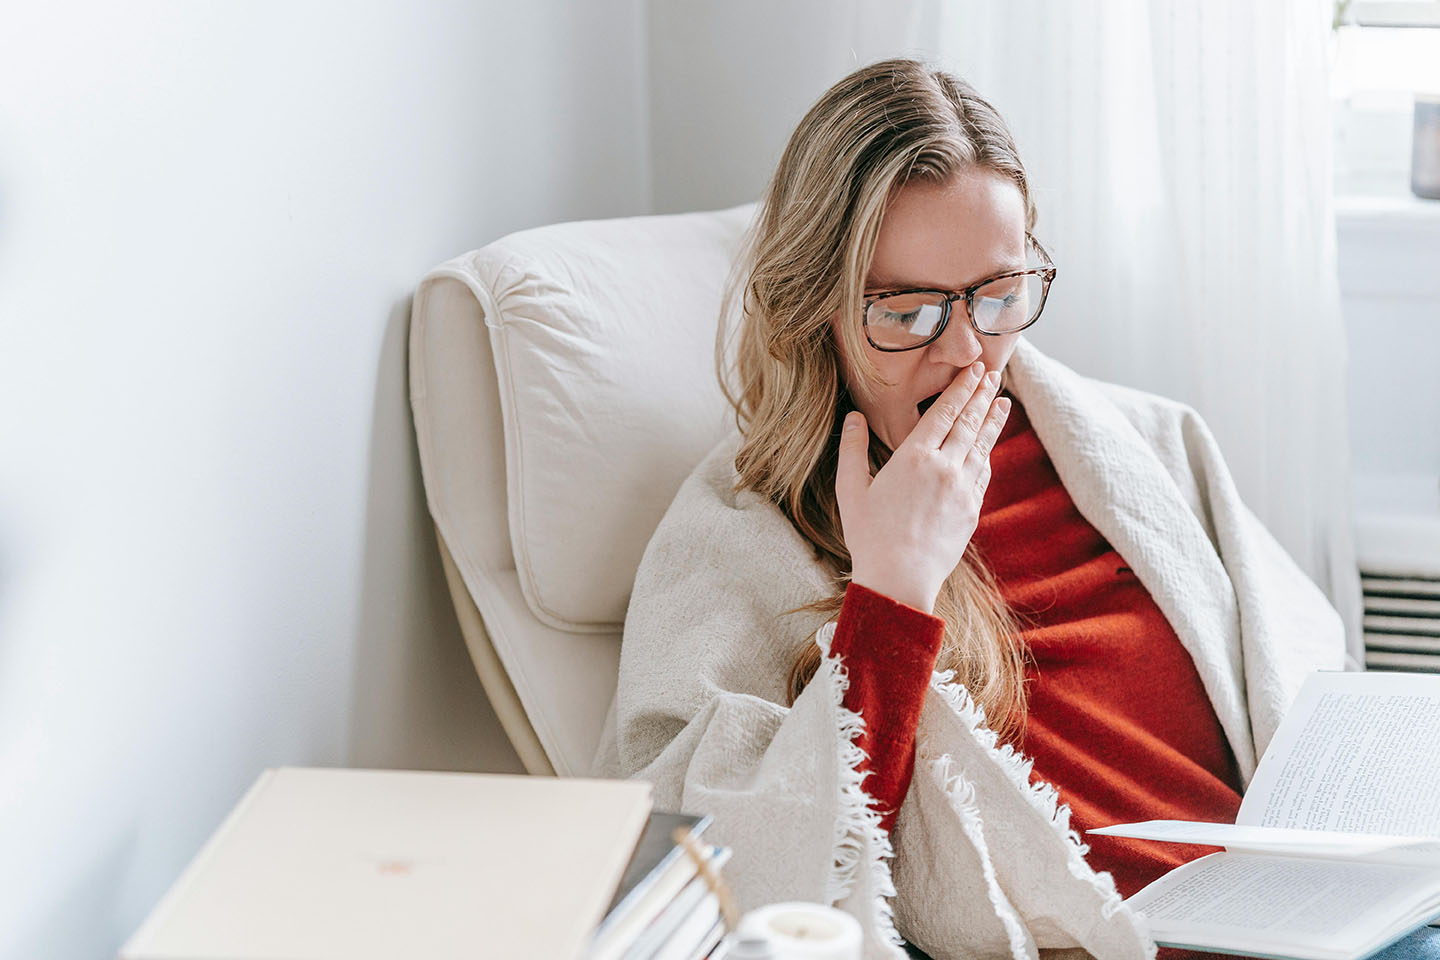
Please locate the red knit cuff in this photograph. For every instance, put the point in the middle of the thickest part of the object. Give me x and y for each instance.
(889, 650)
(896, 634)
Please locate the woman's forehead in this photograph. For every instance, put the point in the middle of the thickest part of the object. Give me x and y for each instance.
(951, 233)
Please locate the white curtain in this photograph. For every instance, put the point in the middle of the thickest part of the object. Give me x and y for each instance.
(1181, 158)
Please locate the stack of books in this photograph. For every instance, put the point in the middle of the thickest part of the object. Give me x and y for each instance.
(669, 905)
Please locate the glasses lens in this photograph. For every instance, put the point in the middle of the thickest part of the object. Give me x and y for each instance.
(1004, 306)
(904, 320)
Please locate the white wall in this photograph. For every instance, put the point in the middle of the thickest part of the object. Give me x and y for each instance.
(214, 555)
(729, 82)
(1391, 298)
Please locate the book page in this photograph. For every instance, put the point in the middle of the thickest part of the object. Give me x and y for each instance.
(1249, 898)
(1374, 847)
(1357, 753)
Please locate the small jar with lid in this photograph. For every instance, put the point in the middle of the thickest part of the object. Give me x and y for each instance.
(1425, 148)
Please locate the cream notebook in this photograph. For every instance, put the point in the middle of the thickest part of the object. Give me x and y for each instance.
(332, 863)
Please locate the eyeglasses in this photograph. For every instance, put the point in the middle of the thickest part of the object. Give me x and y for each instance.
(897, 320)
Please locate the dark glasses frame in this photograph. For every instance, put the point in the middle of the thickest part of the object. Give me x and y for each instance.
(1046, 274)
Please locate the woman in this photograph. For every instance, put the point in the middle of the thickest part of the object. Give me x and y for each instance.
(937, 583)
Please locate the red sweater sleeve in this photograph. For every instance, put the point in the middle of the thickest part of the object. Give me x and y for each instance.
(889, 650)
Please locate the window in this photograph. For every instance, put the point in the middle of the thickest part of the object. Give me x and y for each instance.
(1386, 53)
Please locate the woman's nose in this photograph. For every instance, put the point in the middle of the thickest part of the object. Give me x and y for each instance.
(958, 343)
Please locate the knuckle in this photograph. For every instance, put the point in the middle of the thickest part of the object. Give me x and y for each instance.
(946, 478)
(949, 410)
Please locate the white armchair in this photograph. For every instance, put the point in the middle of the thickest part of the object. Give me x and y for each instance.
(562, 382)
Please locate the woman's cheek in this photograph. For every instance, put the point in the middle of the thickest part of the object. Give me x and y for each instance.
(996, 352)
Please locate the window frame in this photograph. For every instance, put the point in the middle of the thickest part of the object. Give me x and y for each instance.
(1420, 14)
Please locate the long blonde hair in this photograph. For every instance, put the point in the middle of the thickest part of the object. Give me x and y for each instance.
(806, 258)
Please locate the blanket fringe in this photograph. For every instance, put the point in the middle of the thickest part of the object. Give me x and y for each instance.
(962, 800)
(857, 828)
(1044, 797)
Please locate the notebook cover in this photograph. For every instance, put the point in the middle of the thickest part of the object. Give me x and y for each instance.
(361, 864)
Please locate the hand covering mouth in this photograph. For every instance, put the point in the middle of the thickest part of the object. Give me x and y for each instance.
(924, 405)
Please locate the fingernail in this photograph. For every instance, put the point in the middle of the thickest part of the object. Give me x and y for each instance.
(852, 421)
(993, 377)
(979, 368)
(1004, 404)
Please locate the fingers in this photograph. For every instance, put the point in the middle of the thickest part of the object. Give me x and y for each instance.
(973, 416)
(852, 472)
(978, 457)
(935, 424)
(982, 481)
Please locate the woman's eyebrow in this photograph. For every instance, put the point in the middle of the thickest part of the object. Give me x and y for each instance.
(892, 283)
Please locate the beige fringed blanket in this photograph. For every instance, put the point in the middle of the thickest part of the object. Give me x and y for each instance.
(980, 862)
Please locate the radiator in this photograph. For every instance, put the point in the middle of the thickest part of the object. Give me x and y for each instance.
(1400, 578)
(1402, 622)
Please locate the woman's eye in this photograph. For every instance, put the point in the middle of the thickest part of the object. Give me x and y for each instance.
(917, 314)
(901, 319)
(997, 305)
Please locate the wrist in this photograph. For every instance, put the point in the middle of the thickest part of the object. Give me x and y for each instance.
(896, 589)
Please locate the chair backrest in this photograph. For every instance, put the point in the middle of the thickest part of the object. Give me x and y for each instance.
(562, 382)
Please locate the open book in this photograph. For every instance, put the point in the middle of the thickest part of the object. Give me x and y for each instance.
(1335, 853)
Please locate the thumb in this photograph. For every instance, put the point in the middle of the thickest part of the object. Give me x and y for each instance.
(852, 471)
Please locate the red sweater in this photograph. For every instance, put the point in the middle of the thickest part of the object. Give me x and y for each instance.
(1118, 720)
